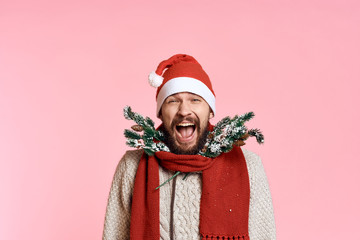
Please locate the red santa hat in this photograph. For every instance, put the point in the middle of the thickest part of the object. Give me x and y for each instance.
(183, 74)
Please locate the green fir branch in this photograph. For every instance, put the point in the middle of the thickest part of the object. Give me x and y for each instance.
(225, 133)
(258, 134)
(220, 140)
(159, 136)
(133, 143)
(139, 119)
(128, 114)
(149, 122)
(222, 123)
(131, 134)
(247, 116)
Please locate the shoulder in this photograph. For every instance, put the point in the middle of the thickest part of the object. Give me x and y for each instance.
(249, 155)
(252, 159)
(132, 157)
(254, 166)
(128, 164)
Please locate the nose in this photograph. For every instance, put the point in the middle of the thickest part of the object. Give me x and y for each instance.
(184, 109)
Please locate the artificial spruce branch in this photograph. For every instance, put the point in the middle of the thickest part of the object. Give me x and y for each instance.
(226, 133)
(145, 140)
(131, 134)
(257, 133)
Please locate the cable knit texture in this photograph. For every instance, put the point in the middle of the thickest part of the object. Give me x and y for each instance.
(180, 202)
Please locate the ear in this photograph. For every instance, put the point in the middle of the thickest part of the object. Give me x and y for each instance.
(211, 115)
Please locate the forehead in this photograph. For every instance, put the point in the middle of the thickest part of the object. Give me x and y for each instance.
(184, 95)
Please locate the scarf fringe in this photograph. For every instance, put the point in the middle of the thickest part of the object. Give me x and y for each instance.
(225, 237)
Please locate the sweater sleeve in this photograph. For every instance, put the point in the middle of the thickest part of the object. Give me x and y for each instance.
(118, 210)
(261, 214)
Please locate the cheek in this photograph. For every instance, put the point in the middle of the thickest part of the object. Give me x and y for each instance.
(205, 114)
(167, 119)
(203, 119)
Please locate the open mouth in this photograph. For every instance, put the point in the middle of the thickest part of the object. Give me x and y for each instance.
(185, 131)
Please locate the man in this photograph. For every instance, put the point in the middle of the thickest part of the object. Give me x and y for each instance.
(226, 197)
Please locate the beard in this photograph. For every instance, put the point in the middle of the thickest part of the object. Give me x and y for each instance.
(171, 143)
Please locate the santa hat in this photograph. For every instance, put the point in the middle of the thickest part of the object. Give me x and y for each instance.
(183, 74)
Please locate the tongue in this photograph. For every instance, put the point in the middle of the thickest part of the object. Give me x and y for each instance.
(186, 131)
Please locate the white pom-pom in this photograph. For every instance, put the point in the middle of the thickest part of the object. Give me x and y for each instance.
(155, 80)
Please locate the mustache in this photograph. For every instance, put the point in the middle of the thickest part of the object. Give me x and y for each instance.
(170, 141)
(178, 120)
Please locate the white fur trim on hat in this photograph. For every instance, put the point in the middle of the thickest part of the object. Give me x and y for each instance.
(155, 80)
(185, 84)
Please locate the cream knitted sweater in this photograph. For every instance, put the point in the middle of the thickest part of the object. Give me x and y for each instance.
(180, 202)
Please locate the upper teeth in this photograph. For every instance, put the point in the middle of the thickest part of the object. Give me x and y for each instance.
(185, 124)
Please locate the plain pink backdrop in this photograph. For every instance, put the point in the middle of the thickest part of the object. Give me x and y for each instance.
(67, 69)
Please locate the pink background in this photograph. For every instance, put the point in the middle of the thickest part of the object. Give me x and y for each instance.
(68, 68)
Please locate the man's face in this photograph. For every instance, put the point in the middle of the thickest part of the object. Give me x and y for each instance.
(185, 118)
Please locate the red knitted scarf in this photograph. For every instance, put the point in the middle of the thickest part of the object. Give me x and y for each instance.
(224, 206)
